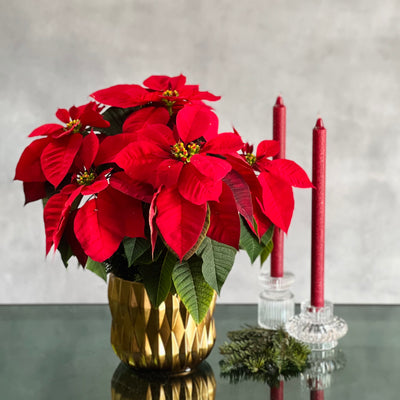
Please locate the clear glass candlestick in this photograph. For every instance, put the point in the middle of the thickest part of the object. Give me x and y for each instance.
(276, 301)
(318, 327)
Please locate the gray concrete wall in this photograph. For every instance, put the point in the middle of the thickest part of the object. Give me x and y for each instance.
(337, 59)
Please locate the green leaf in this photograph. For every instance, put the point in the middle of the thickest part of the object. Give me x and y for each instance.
(157, 278)
(249, 241)
(266, 252)
(134, 248)
(266, 240)
(195, 293)
(218, 259)
(267, 237)
(96, 267)
(116, 117)
(165, 282)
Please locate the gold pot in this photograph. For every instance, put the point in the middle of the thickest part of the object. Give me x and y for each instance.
(166, 338)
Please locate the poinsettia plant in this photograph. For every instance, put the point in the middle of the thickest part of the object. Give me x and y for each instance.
(140, 183)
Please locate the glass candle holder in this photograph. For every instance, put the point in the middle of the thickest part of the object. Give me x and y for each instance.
(276, 301)
(318, 327)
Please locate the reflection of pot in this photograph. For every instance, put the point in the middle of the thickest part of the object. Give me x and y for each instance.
(130, 384)
(166, 338)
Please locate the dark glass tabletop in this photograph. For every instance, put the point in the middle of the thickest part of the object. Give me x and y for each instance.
(63, 352)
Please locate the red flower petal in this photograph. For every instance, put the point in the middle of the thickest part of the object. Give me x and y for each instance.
(223, 143)
(262, 221)
(102, 223)
(241, 192)
(278, 201)
(152, 221)
(63, 115)
(101, 183)
(168, 172)
(55, 215)
(205, 96)
(57, 157)
(224, 219)
(192, 93)
(73, 241)
(28, 168)
(159, 134)
(111, 146)
(194, 122)
(148, 115)
(123, 96)
(87, 152)
(140, 160)
(47, 130)
(197, 188)
(179, 221)
(75, 112)
(210, 166)
(90, 116)
(34, 191)
(290, 172)
(163, 82)
(136, 189)
(247, 173)
(268, 148)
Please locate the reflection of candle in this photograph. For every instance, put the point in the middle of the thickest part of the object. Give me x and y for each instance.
(279, 133)
(316, 395)
(318, 215)
(276, 393)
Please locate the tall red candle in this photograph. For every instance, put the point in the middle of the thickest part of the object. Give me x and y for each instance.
(316, 395)
(318, 215)
(279, 133)
(276, 393)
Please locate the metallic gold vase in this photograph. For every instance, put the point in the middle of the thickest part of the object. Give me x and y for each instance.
(166, 338)
(130, 384)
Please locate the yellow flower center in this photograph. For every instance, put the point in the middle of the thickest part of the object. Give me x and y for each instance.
(251, 158)
(169, 103)
(183, 153)
(171, 93)
(85, 178)
(75, 124)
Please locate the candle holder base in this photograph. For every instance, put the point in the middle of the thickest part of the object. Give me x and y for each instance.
(317, 326)
(276, 302)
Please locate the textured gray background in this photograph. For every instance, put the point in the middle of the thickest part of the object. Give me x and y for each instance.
(337, 59)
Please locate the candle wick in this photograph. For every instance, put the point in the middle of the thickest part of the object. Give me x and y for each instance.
(319, 123)
(279, 101)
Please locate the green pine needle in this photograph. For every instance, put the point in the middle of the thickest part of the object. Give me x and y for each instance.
(262, 355)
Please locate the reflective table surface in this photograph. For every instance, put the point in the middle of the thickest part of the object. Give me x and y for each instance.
(63, 352)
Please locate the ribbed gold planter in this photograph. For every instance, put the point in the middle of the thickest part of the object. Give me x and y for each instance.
(166, 338)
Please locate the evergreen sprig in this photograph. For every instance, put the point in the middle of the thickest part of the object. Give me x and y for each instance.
(262, 355)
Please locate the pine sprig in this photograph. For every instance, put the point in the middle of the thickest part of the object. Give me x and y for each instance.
(262, 355)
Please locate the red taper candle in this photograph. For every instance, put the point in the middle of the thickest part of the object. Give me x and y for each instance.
(279, 133)
(316, 395)
(276, 393)
(318, 215)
